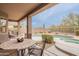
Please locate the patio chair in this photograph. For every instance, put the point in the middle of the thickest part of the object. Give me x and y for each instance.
(36, 50)
(8, 52)
(11, 35)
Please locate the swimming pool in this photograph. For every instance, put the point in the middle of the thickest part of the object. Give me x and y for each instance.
(67, 38)
(67, 43)
(61, 37)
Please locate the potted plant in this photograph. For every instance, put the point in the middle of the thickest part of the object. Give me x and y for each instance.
(47, 38)
(77, 32)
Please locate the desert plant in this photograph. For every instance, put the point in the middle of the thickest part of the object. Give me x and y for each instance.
(77, 32)
(47, 38)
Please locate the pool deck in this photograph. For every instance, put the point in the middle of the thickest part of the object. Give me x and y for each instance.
(54, 49)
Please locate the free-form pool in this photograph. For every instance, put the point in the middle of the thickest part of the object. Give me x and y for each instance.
(67, 43)
(67, 38)
(61, 37)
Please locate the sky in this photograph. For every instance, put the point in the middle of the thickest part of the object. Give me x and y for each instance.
(54, 15)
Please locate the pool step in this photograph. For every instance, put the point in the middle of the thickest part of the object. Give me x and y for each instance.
(53, 51)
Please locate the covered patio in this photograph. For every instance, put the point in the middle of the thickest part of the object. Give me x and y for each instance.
(16, 27)
(16, 12)
(11, 16)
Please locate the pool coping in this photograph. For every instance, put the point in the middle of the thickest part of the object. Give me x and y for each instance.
(65, 51)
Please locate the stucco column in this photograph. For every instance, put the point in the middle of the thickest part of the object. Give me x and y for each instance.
(6, 29)
(29, 27)
(18, 29)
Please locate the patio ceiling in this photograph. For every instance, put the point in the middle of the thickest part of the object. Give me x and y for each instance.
(17, 11)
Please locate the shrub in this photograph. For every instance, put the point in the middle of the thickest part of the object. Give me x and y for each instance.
(47, 38)
(77, 32)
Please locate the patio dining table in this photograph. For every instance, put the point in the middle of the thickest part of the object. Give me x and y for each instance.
(20, 46)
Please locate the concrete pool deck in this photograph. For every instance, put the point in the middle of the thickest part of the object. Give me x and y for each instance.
(73, 51)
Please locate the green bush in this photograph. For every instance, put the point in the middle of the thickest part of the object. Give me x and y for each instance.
(47, 38)
(77, 32)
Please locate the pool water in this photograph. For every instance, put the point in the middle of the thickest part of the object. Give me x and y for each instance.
(62, 37)
(67, 38)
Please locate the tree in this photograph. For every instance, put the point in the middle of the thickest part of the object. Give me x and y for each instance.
(69, 23)
(72, 21)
